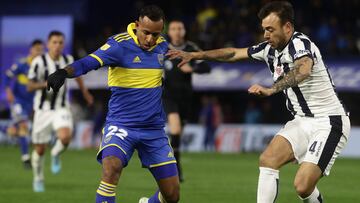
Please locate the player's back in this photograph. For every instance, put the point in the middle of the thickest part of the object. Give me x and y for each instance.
(135, 80)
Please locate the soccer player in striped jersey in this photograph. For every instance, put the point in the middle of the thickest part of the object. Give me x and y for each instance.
(321, 125)
(136, 118)
(52, 113)
(20, 99)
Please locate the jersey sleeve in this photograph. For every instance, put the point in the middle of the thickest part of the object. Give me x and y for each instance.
(108, 54)
(257, 51)
(300, 47)
(33, 73)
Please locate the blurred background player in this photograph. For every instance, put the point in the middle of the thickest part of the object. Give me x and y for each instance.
(20, 100)
(136, 118)
(177, 95)
(52, 112)
(321, 125)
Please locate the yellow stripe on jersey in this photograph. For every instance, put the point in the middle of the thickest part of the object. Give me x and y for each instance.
(22, 79)
(126, 36)
(123, 38)
(120, 35)
(97, 58)
(134, 78)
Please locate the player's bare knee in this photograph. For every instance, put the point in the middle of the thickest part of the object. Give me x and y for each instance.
(172, 195)
(111, 170)
(303, 187)
(40, 150)
(268, 161)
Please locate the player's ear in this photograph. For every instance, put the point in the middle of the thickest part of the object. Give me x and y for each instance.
(137, 22)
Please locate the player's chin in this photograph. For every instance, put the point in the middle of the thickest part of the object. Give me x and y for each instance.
(145, 47)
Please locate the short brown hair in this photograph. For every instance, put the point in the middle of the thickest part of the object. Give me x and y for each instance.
(153, 12)
(283, 9)
(55, 33)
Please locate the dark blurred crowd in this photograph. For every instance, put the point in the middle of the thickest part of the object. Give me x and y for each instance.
(334, 25)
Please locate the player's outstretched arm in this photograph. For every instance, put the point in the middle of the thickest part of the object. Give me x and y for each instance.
(74, 70)
(223, 55)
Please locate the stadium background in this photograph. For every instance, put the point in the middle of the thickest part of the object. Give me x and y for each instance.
(247, 122)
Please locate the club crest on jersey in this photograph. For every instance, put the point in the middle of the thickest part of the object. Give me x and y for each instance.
(279, 70)
(107, 137)
(161, 59)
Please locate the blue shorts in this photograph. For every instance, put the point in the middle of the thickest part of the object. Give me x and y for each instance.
(20, 112)
(152, 145)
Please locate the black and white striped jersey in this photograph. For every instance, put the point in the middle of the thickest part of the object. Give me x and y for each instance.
(316, 95)
(41, 67)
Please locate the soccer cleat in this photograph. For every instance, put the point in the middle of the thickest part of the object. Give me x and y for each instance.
(38, 186)
(144, 200)
(55, 164)
(27, 164)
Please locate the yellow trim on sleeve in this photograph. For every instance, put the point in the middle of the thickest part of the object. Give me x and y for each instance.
(97, 58)
(163, 163)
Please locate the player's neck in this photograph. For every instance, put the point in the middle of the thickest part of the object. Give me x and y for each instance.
(54, 57)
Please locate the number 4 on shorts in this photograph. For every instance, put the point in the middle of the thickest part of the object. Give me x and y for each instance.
(312, 147)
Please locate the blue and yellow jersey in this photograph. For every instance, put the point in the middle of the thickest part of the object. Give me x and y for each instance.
(16, 78)
(134, 78)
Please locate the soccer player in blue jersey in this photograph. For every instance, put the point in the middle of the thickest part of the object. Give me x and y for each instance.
(20, 100)
(135, 118)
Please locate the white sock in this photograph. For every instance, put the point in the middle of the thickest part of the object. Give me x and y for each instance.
(37, 163)
(268, 185)
(57, 148)
(25, 157)
(315, 197)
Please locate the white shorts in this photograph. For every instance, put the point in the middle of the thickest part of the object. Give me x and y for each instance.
(317, 140)
(48, 121)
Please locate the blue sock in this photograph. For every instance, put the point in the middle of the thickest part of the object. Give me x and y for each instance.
(105, 193)
(24, 145)
(156, 198)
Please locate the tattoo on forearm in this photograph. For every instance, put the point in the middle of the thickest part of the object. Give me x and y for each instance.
(293, 77)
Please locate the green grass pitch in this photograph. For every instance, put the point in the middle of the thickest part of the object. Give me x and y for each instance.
(209, 178)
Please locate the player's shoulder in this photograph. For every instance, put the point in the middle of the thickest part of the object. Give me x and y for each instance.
(299, 36)
(68, 58)
(38, 60)
(162, 43)
(120, 38)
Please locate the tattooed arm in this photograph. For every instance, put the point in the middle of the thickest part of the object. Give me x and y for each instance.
(224, 55)
(299, 73)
